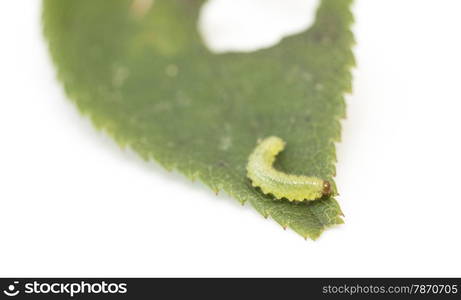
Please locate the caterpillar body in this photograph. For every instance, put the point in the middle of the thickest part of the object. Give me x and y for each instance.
(262, 174)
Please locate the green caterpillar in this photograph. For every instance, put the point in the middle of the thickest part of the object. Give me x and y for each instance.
(262, 174)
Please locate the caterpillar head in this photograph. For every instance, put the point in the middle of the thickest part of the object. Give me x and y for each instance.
(326, 188)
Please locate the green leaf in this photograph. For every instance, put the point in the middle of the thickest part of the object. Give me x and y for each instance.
(144, 75)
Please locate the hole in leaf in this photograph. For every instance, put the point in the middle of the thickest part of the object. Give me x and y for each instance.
(250, 25)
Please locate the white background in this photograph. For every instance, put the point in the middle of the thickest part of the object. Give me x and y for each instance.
(73, 204)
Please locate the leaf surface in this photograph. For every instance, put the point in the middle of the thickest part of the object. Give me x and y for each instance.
(144, 75)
